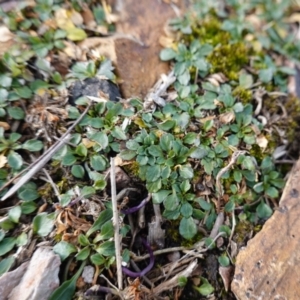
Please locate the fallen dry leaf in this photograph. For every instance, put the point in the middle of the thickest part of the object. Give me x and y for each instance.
(5, 125)
(5, 34)
(88, 17)
(262, 141)
(227, 117)
(63, 20)
(3, 160)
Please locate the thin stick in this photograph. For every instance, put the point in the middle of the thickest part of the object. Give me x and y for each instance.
(43, 159)
(116, 223)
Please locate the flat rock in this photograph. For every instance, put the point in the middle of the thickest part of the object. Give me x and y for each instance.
(10, 280)
(269, 267)
(138, 65)
(40, 278)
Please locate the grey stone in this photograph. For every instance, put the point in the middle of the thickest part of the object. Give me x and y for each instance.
(10, 280)
(41, 277)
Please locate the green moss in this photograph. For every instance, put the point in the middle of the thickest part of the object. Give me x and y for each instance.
(242, 230)
(229, 59)
(209, 31)
(132, 169)
(243, 95)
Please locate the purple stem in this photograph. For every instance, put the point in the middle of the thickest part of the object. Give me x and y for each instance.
(136, 208)
(147, 269)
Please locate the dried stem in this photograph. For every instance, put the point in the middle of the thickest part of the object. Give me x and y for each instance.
(116, 223)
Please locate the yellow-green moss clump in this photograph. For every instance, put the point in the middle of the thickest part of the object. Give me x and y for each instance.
(229, 59)
(132, 169)
(243, 95)
(209, 31)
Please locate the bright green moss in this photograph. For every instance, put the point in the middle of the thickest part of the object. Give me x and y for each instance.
(243, 95)
(229, 59)
(209, 31)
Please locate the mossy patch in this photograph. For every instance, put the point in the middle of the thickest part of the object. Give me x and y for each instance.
(229, 59)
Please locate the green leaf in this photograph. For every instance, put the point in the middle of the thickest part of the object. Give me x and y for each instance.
(229, 206)
(107, 232)
(6, 264)
(167, 125)
(5, 80)
(67, 289)
(107, 248)
(101, 138)
(166, 142)
(204, 204)
(119, 133)
(81, 150)
(267, 164)
(69, 159)
(7, 244)
(22, 239)
(237, 175)
(263, 210)
(43, 64)
(187, 228)
(33, 145)
(83, 240)
(185, 186)
(167, 54)
(160, 196)
(127, 154)
(186, 210)
(98, 163)
(265, 75)
(153, 173)
(190, 138)
(198, 152)
(104, 216)
(198, 214)
(23, 92)
(38, 86)
(154, 186)
(15, 160)
(165, 172)
(97, 259)
(28, 194)
(272, 192)
(87, 191)
(43, 223)
(13, 137)
(259, 187)
(65, 199)
(7, 224)
(2, 235)
(155, 151)
(182, 281)
(245, 80)
(28, 207)
(78, 171)
(14, 214)
(186, 172)
(64, 249)
(205, 288)
(209, 243)
(248, 163)
(76, 34)
(16, 113)
(83, 253)
(224, 260)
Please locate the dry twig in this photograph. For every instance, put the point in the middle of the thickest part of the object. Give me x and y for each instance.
(116, 223)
